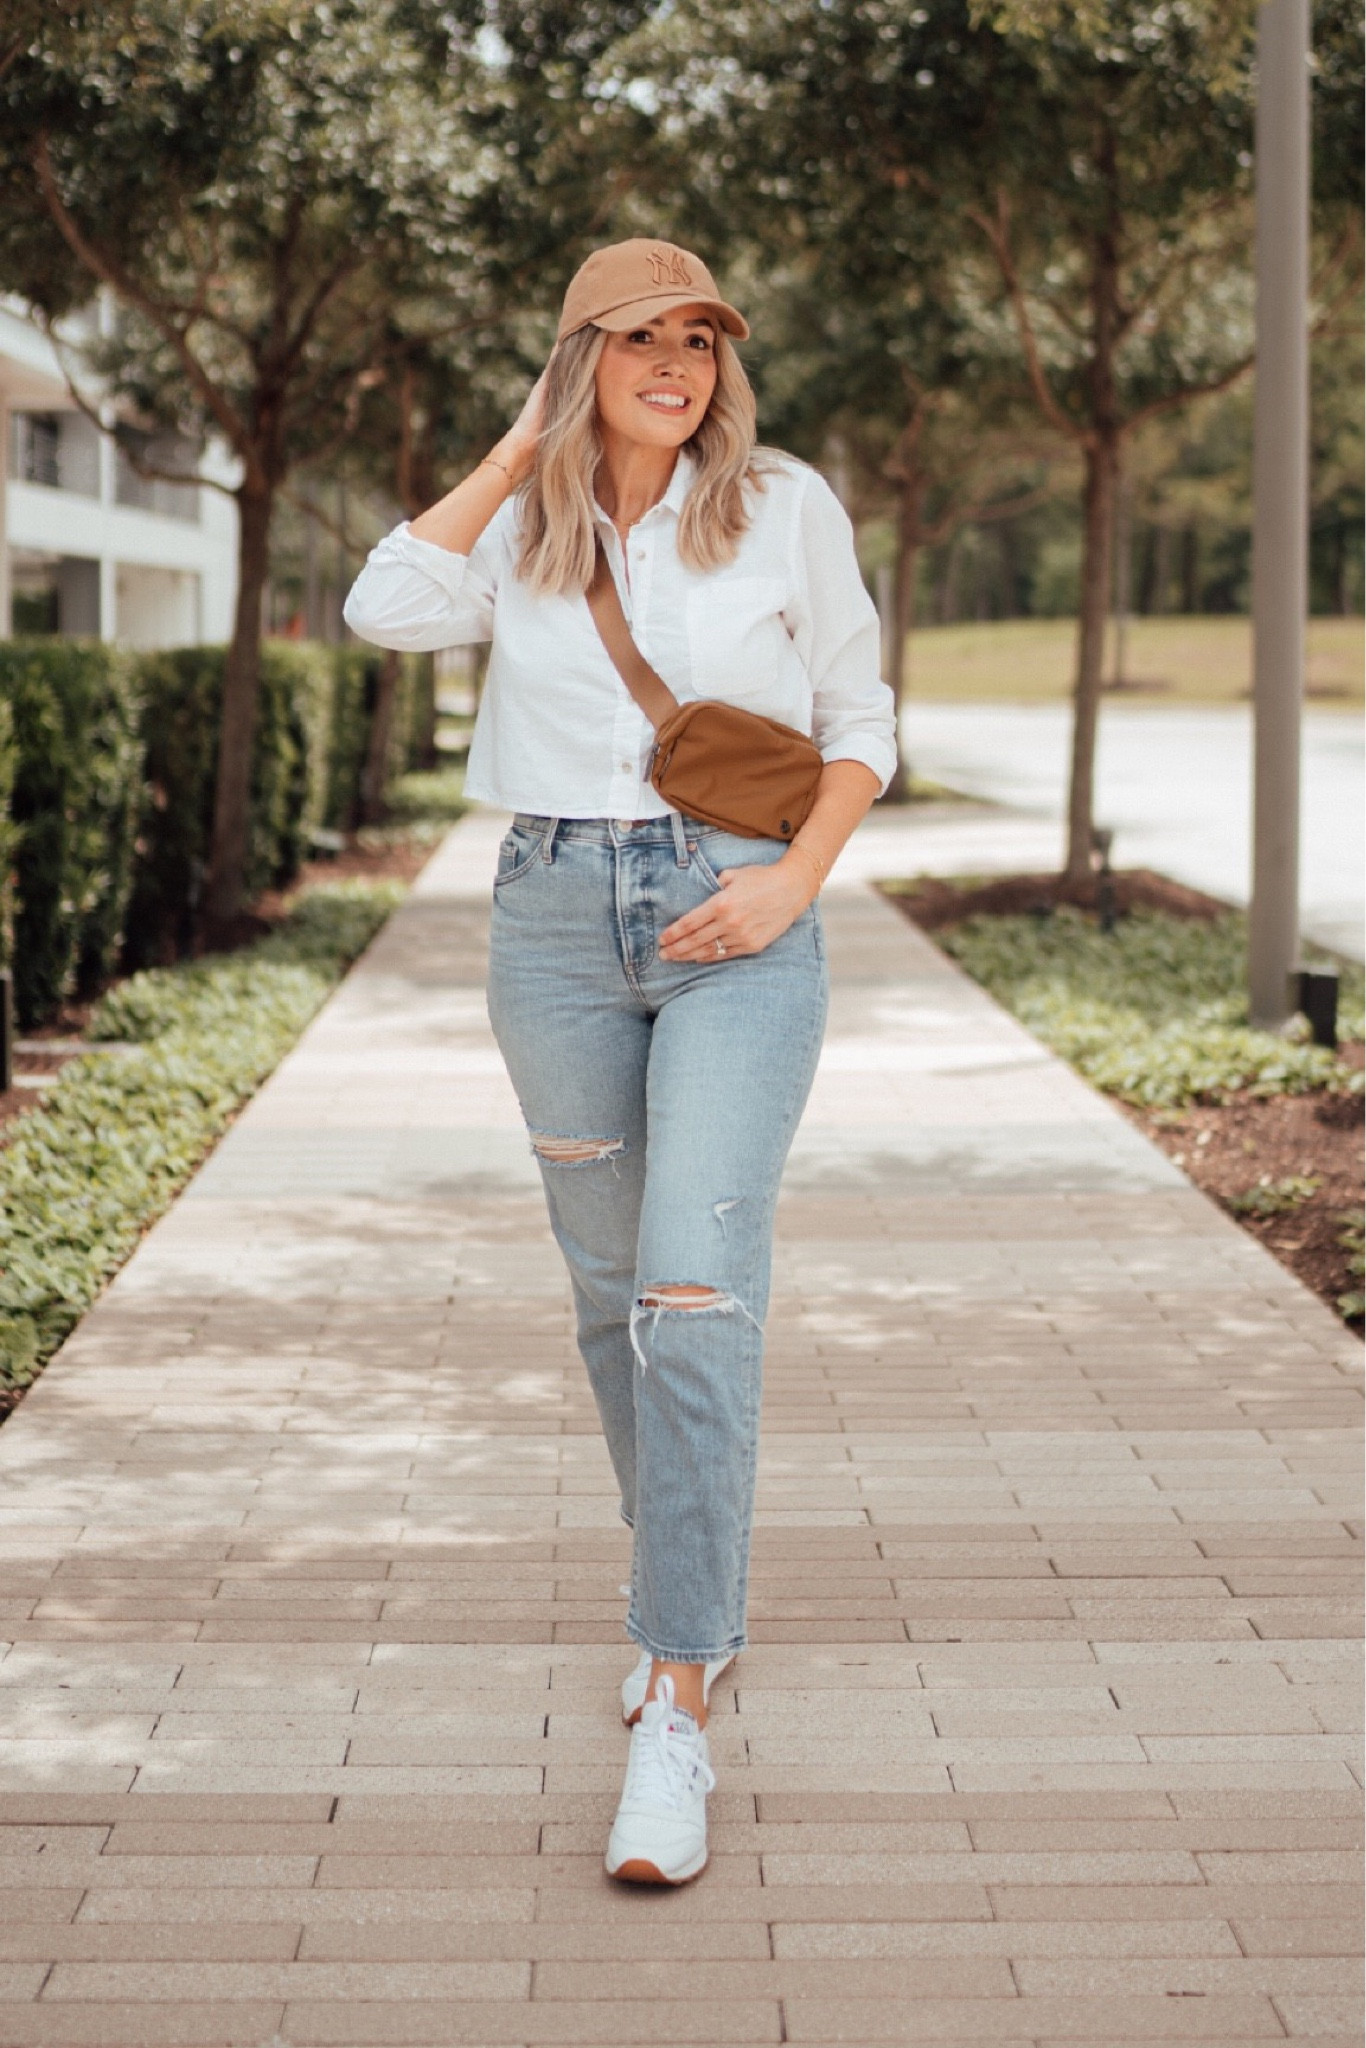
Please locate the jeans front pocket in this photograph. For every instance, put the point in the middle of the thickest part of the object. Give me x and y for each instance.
(520, 850)
(714, 852)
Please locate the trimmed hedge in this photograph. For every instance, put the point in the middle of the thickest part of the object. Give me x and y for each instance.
(182, 713)
(9, 833)
(428, 797)
(312, 730)
(77, 775)
(355, 684)
(115, 758)
(121, 1132)
(1155, 1011)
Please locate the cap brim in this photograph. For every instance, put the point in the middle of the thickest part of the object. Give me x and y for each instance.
(620, 319)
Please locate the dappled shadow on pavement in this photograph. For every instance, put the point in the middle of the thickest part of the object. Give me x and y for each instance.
(313, 1565)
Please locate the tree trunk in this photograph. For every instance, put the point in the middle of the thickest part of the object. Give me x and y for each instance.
(374, 778)
(1098, 518)
(1098, 512)
(1124, 564)
(426, 740)
(1162, 571)
(948, 586)
(1190, 571)
(898, 790)
(241, 681)
(313, 604)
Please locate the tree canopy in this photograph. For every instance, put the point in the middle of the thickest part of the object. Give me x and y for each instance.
(290, 206)
(988, 240)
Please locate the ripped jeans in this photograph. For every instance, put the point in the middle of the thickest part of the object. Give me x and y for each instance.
(661, 1099)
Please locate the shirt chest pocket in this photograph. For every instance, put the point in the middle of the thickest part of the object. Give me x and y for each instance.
(736, 637)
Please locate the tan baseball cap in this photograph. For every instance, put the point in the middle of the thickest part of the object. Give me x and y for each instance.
(628, 282)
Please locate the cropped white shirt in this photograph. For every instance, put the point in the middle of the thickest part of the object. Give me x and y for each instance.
(786, 629)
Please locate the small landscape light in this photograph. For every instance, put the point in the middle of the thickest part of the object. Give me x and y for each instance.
(1315, 993)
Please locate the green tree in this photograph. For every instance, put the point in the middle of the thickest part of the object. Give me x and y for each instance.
(1093, 172)
(885, 378)
(440, 402)
(282, 201)
(254, 184)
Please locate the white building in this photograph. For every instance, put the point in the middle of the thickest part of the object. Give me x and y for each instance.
(87, 546)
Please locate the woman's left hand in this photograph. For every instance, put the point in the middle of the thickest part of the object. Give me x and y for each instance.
(755, 906)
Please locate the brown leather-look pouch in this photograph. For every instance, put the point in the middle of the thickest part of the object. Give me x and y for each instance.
(750, 775)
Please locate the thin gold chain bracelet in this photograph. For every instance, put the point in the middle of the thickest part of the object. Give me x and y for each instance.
(815, 860)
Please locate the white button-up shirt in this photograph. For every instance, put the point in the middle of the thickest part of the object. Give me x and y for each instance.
(786, 629)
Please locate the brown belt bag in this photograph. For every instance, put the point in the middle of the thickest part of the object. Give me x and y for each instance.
(750, 775)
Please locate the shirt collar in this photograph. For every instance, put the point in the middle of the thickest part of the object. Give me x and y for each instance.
(680, 483)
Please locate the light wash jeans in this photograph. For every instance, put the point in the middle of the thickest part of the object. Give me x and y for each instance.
(661, 1099)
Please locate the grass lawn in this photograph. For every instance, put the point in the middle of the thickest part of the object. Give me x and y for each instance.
(1192, 661)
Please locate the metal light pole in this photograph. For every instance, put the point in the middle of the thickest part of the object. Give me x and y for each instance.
(1280, 492)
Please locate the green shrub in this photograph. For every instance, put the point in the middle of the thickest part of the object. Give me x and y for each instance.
(121, 1132)
(182, 694)
(1154, 1012)
(354, 680)
(77, 742)
(9, 834)
(342, 710)
(1276, 1197)
(116, 760)
(436, 796)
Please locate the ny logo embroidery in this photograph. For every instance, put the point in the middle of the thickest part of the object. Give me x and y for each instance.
(667, 267)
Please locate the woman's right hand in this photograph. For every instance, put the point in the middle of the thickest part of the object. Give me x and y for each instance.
(457, 521)
(518, 446)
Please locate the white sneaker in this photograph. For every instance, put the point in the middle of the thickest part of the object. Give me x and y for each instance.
(660, 1833)
(637, 1683)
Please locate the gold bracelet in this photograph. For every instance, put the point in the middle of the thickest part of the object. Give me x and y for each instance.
(815, 860)
(492, 462)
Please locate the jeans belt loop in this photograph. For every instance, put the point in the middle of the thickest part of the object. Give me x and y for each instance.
(548, 842)
(681, 854)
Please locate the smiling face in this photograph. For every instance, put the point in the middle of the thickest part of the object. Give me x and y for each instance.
(655, 382)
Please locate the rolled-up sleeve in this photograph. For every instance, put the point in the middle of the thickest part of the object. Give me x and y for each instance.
(834, 625)
(414, 596)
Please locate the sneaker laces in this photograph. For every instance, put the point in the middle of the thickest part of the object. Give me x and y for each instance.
(668, 1756)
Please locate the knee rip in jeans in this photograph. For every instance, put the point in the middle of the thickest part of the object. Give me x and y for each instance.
(681, 1299)
(575, 1151)
(693, 1298)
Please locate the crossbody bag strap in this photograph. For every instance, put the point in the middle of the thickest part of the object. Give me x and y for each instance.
(645, 684)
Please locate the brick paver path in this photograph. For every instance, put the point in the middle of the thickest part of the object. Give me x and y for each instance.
(307, 1730)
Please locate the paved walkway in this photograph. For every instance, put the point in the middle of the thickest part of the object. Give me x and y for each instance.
(1175, 783)
(312, 1575)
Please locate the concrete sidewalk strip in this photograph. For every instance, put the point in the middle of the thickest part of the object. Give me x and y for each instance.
(310, 1613)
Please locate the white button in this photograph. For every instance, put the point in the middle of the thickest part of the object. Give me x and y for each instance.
(628, 767)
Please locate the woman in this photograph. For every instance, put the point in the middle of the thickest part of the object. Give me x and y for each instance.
(657, 986)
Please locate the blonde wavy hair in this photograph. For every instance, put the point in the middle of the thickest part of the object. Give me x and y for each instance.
(557, 498)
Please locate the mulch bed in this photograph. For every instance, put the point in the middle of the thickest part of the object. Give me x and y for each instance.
(1226, 1148)
(933, 903)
